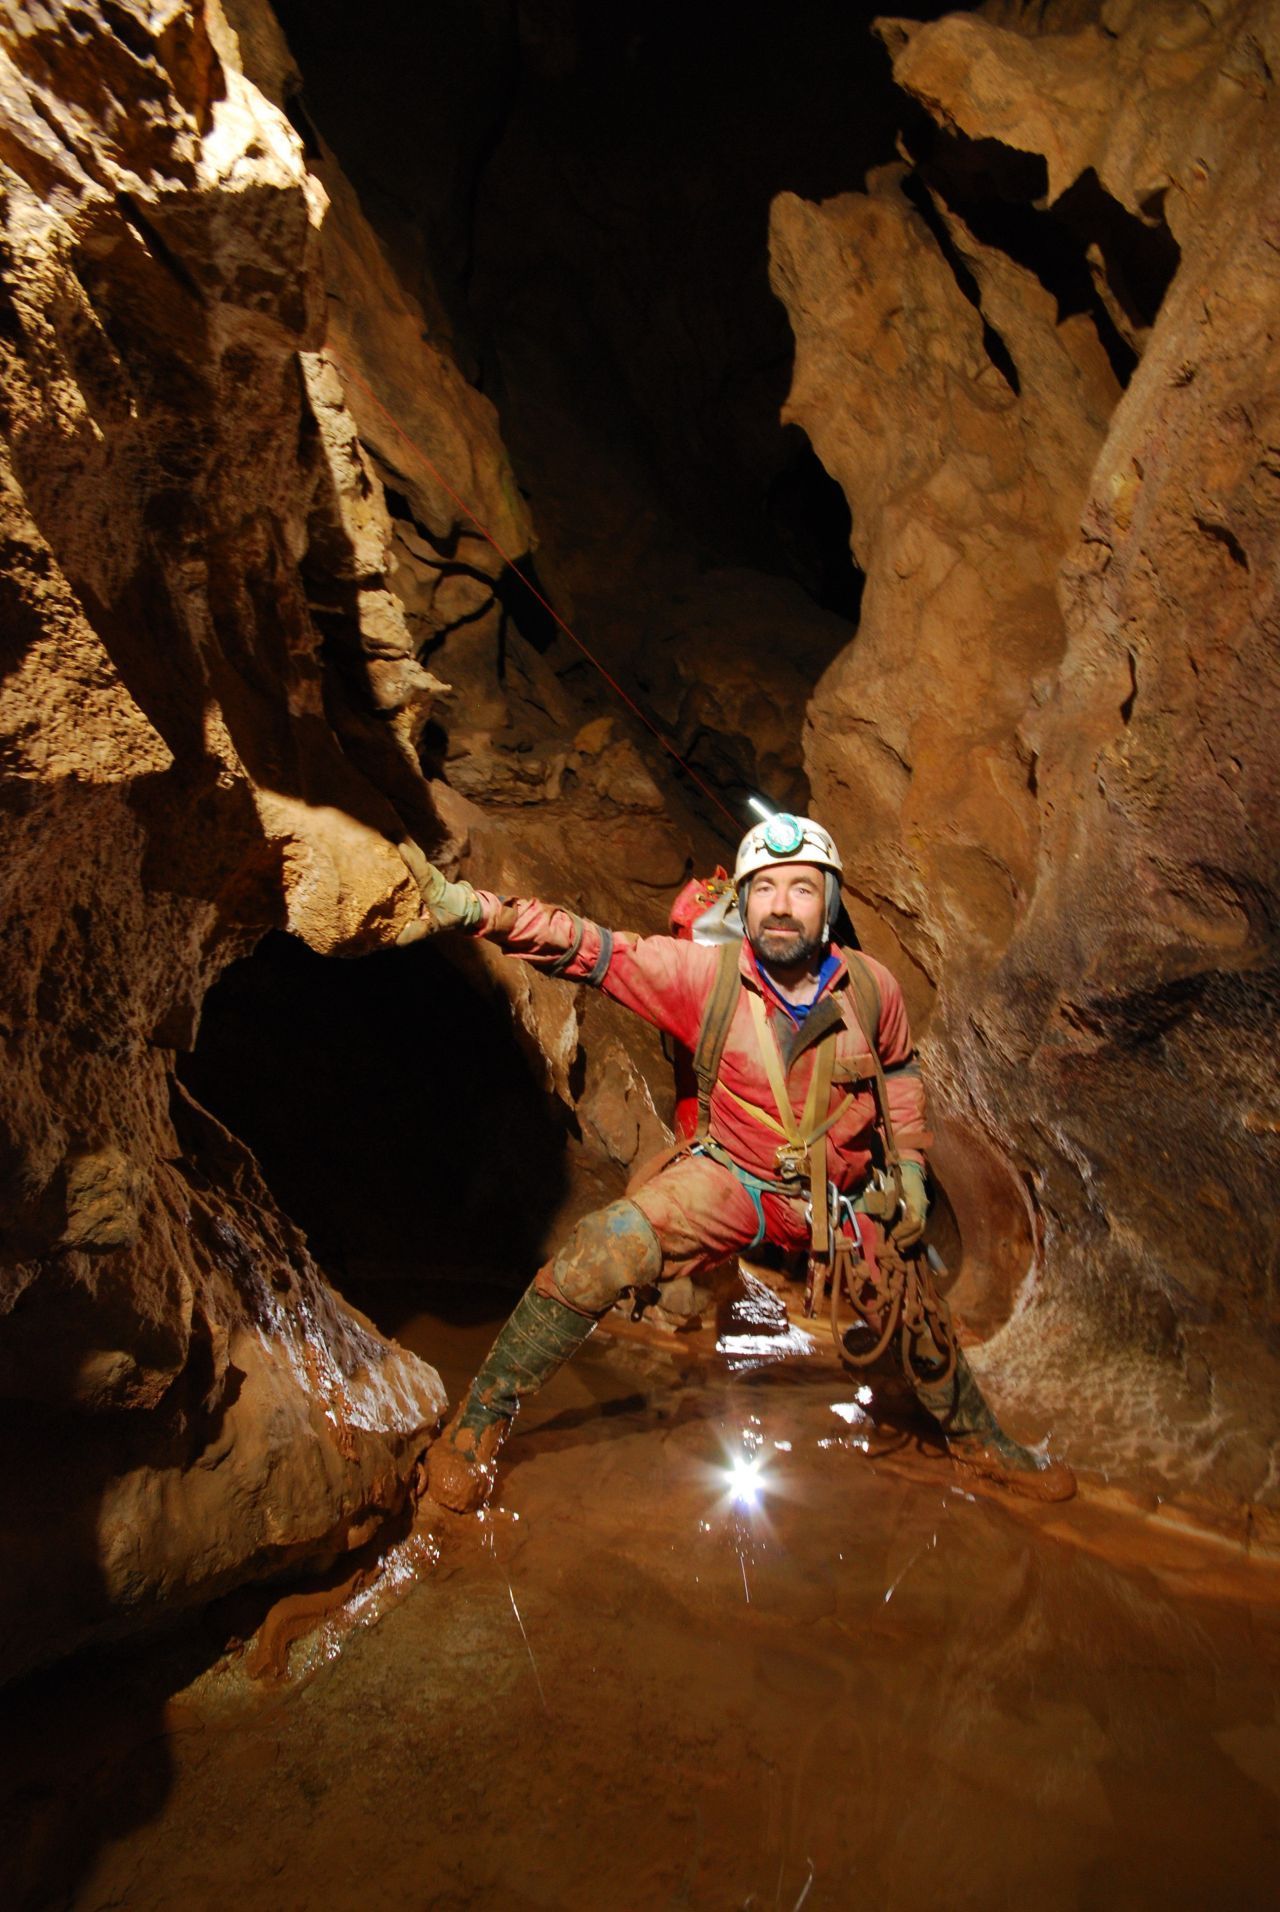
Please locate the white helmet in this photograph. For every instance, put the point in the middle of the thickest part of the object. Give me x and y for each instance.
(787, 839)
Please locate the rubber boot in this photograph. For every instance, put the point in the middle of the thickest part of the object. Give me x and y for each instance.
(977, 1441)
(539, 1336)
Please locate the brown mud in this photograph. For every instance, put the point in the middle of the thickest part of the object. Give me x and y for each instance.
(859, 1684)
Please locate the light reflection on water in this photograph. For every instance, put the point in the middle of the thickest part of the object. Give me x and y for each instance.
(745, 1350)
(745, 1611)
(745, 1481)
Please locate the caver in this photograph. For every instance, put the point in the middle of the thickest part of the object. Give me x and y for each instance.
(811, 1134)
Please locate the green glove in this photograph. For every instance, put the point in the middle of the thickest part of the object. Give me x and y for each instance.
(908, 1227)
(449, 905)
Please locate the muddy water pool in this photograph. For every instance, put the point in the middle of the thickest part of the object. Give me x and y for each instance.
(725, 1641)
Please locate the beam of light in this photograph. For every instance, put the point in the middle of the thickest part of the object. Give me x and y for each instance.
(761, 808)
(746, 1483)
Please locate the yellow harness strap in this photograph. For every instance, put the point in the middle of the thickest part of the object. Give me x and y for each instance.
(808, 1136)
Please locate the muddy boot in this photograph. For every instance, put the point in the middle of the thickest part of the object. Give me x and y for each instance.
(539, 1337)
(977, 1441)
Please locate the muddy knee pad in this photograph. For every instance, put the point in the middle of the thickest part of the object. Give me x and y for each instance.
(612, 1249)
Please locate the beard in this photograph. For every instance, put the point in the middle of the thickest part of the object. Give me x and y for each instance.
(786, 948)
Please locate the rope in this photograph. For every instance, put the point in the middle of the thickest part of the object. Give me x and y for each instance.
(532, 589)
(892, 1295)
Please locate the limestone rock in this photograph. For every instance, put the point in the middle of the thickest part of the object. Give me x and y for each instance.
(189, 1402)
(962, 493)
(1048, 747)
(618, 1106)
(1146, 97)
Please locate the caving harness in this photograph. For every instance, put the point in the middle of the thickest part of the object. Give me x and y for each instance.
(889, 1289)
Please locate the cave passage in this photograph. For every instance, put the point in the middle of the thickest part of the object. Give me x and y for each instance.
(395, 1116)
(734, 1630)
(588, 217)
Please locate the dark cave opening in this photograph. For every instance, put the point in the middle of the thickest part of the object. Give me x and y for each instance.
(809, 517)
(394, 1113)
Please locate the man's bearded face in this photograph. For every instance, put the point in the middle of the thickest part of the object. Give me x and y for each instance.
(786, 914)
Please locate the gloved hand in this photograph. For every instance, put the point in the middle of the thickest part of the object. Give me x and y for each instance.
(908, 1226)
(449, 905)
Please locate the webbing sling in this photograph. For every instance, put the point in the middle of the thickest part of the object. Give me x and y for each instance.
(718, 1014)
(805, 1135)
(866, 992)
(826, 1053)
(714, 1033)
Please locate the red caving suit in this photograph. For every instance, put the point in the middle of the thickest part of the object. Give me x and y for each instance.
(701, 1213)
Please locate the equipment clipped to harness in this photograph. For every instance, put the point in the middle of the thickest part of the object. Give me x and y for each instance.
(891, 1292)
(803, 1151)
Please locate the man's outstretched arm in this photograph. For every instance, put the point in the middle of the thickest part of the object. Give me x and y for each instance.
(551, 938)
(655, 976)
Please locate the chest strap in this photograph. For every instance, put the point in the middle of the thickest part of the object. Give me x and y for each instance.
(866, 993)
(808, 1136)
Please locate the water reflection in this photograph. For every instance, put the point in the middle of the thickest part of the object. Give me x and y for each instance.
(835, 1678)
(745, 1481)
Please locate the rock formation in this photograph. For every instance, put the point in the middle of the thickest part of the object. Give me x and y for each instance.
(258, 659)
(216, 717)
(1050, 741)
(187, 1402)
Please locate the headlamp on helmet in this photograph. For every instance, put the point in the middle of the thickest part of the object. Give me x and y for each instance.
(788, 839)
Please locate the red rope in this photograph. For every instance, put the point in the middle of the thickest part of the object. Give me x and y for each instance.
(511, 565)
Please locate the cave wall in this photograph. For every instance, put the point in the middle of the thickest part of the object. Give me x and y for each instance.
(186, 1402)
(588, 224)
(1049, 749)
(219, 627)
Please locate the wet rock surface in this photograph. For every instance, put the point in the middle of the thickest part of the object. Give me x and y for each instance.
(1047, 748)
(186, 1402)
(218, 635)
(623, 1687)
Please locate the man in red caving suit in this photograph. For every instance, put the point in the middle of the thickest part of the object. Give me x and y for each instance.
(793, 1077)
